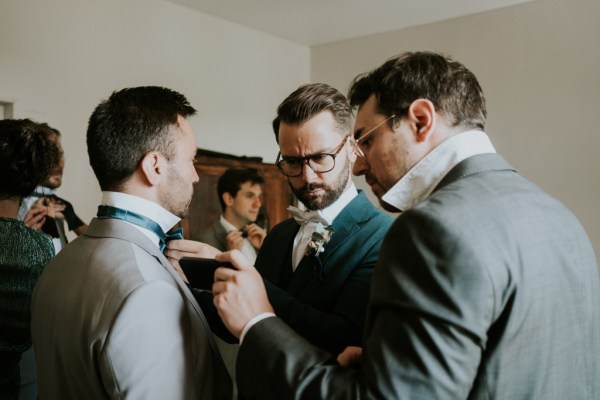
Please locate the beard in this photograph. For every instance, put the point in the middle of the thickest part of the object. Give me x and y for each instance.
(177, 201)
(332, 192)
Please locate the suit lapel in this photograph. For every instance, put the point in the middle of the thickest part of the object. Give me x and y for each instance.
(112, 228)
(345, 226)
(276, 267)
(220, 233)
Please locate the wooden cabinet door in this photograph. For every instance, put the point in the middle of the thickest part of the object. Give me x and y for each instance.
(205, 208)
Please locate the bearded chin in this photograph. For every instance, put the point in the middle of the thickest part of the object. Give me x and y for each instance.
(330, 192)
(329, 196)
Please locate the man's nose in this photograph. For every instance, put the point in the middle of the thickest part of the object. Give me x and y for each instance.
(360, 166)
(308, 175)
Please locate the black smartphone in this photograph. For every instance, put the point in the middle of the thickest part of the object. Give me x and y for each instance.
(201, 271)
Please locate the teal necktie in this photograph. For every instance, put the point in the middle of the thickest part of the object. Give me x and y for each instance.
(140, 220)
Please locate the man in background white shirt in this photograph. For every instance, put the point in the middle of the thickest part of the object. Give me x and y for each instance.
(240, 195)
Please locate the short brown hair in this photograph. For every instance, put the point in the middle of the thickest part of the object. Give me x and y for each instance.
(309, 100)
(449, 85)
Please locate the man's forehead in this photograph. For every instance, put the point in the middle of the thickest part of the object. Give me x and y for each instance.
(319, 134)
(249, 186)
(364, 116)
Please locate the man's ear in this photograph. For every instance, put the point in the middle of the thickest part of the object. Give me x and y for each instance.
(153, 167)
(228, 199)
(423, 118)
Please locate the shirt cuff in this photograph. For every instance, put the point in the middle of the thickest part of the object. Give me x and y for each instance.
(253, 322)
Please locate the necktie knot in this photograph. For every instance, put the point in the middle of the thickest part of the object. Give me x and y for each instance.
(176, 234)
(304, 216)
(142, 221)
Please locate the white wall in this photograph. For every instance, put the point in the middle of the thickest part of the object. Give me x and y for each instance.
(59, 59)
(539, 65)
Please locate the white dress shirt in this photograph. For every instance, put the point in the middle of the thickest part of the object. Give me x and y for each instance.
(247, 249)
(328, 214)
(144, 207)
(422, 179)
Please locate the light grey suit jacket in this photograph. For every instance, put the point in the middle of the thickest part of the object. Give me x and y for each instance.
(488, 289)
(112, 320)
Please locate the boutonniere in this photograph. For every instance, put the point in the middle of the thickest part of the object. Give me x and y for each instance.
(318, 240)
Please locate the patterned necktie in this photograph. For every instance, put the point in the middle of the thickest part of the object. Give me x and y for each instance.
(140, 220)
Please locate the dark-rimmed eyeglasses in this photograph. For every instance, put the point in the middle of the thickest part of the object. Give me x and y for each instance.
(355, 143)
(320, 162)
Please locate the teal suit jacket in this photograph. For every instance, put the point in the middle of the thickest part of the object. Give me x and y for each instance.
(325, 299)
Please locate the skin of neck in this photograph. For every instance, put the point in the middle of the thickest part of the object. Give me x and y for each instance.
(233, 219)
(9, 208)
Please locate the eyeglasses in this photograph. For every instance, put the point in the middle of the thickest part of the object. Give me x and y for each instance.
(320, 162)
(355, 143)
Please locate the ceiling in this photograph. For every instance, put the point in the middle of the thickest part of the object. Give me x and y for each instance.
(314, 22)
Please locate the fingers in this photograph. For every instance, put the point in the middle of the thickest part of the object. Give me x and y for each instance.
(351, 356)
(256, 235)
(189, 248)
(236, 258)
(256, 231)
(36, 217)
(235, 240)
(239, 295)
(54, 210)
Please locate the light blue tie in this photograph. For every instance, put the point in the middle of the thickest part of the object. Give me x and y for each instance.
(140, 220)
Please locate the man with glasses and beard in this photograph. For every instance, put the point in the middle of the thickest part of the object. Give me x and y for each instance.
(317, 266)
(110, 316)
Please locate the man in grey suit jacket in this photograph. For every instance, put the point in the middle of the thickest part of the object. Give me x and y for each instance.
(240, 192)
(486, 287)
(111, 318)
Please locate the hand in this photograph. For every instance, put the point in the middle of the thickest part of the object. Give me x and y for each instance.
(55, 210)
(256, 235)
(239, 295)
(350, 357)
(36, 217)
(187, 248)
(235, 240)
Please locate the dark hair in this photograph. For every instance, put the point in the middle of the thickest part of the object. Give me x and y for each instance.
(28, 154)
(449, 85)
(232, 180)
(131, 123)
(309, 100)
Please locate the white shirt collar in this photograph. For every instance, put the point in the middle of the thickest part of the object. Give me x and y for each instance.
(227, 225)
(144, 207)
(28, 201)
(46, 191)
(329, 213)
(420, 181)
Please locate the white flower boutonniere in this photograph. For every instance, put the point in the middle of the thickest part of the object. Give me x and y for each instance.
(318, 240)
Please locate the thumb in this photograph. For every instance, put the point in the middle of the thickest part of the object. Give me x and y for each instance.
(235, 257)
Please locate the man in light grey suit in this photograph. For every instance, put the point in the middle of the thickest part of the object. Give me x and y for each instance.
(486, 287)
(111, 318)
